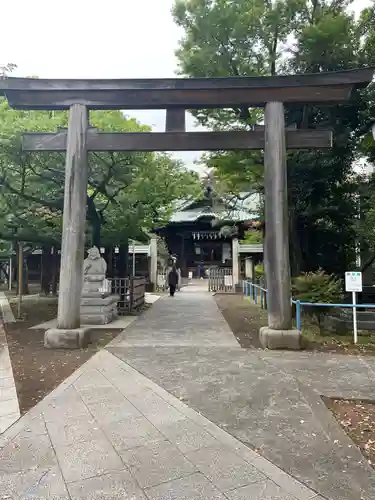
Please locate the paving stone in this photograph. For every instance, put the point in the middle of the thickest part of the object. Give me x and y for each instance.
(283, 479)
(9, 406)
(91, 395)
(29, 426)
(37, 484)
(157, 464)
(114, 486)
(131, 433)
(82, 460)
(8, 393)
(6, 372)
(224, 468)
(25, 453)
(7, 420)
(113, 411)
(264, 490)
(187, 435)
(65, 406)
(91, 378)
(155, 409)
(5, 362)
(194, 487)
(65, 432)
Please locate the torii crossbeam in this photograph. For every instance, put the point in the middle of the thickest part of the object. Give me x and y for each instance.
(177, 95)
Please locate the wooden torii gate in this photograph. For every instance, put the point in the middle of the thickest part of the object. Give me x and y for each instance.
(176, 96)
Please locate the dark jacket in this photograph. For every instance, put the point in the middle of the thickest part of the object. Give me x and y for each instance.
(173, 278)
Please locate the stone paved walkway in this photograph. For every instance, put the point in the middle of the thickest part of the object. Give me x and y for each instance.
(268, 400)
(109, 432)
(112, 430)
(9, 407)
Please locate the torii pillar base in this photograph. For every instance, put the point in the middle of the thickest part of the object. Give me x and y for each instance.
(60, 338)
(280, 339)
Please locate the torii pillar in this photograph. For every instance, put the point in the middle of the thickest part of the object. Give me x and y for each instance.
(279, 332)
(69, 333)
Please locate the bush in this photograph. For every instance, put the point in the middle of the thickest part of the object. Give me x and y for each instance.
(317, 287)
(252, 236)
(259, 273)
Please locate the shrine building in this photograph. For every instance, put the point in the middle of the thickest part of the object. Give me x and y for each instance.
(205, 233)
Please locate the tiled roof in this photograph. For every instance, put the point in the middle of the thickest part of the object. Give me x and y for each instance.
(236, 209)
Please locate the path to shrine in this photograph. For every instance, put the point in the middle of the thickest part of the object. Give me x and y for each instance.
(174, 409)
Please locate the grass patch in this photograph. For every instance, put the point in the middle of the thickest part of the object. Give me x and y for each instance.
(314, 338)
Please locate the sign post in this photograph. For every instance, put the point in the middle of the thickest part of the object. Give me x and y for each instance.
(353, 283)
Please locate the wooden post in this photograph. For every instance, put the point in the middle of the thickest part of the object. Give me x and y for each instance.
(175, 120)
(20, 278)
(235, 263)
(67, 333)
(154, 261)
(278, 334)
(74, 220)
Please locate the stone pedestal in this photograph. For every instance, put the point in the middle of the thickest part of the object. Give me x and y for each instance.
(63, 338)
(279, 339)
(98, 307)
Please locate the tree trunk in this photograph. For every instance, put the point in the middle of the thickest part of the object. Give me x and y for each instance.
(46, 269)
(26, 290)
(109, 258)
(25, 277)
(55, 271)
(294, 247)
(96, 232)
(123, 261)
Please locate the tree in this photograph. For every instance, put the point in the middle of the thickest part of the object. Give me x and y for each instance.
(5, 69)
(127, 192)
(256, 37)
(139, 188)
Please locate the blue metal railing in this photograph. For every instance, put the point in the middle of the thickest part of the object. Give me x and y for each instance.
(258, 293)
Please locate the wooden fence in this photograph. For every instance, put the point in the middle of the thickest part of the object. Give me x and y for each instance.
(220, 280)
(131, 292)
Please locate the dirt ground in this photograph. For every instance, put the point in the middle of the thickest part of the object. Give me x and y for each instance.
(246, 318)
(37, 371)
(358, 420)
(243, 317)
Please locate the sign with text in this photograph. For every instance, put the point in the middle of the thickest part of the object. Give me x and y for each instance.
(353, 281)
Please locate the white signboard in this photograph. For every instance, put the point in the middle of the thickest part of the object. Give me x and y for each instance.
(228, 281)
(190, 275)
(161, 280)
(353, 282)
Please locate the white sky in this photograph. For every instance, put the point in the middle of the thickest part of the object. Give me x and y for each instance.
(87, 39)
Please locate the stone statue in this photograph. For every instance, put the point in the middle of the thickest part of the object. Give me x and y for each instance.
(94, 265)
(98, 306)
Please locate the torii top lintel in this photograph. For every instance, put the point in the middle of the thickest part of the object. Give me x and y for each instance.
(186, 93)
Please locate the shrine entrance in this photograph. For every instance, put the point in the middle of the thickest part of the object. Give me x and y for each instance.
(176, 96)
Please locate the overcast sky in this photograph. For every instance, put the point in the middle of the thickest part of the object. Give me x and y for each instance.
(87, 39)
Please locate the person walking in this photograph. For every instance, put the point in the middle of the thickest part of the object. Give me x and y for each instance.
(172, 280)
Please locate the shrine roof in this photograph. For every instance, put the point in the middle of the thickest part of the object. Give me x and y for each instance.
(186, 93)
(243, 207)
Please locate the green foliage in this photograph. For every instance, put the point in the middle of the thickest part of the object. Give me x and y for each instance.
(6, 68)
(252, 237)
(317, 287)
(128, 193)
(253, 37)
(259, 272)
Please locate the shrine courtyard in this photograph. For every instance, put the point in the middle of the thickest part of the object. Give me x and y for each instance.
(174, 408)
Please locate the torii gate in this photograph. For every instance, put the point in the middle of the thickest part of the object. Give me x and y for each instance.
(176, 96)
